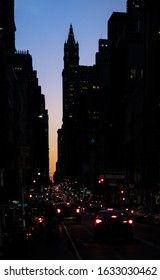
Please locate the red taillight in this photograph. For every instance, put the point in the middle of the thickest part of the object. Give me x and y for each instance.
(113, 216)
(98, 221)
(40, 219)
(127, 222)
(28, 234)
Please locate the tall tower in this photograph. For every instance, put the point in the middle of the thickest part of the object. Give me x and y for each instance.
(71, 90)
(70, 76)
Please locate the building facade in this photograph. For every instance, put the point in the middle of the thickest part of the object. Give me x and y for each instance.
(23, 116)
(111, 109)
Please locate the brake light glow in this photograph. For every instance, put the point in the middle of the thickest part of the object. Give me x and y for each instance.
(98, 221)
(28, 235)
(114, 216)
(40, 219)
(127, 221)
(130, 222)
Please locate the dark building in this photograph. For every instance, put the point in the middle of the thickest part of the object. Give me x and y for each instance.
(143, 105)
(7, 92)
(134, 41)
(58, 175)
(70, 102)
(23, 117)
(32, 120)
(151, 160)
(24, 159)
(83, 115)
(111, 109)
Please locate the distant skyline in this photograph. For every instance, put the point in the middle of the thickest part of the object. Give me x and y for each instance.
(42, 27)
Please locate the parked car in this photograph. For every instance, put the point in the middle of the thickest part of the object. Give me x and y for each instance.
(68, 211)
(110, 223)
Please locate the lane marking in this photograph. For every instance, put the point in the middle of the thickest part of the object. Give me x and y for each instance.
(72, 243)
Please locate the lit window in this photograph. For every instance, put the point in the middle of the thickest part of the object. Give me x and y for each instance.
(18, 68)
(96, 87)
(133, 74)
(136, 3)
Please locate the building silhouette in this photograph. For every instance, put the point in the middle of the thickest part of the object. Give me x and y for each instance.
(24, 150)
(32, 119)
(110, 124)
(70, 102)
(23, 117)
(83, 115)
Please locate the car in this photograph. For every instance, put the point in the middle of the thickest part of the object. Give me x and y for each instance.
(113, 223)
(68, 211)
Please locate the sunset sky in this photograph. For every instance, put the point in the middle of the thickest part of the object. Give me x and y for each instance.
(42, 27)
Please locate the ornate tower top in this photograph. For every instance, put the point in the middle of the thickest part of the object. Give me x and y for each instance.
(71, 49)
(71, 39)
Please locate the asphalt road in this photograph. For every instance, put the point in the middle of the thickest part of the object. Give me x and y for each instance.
(75, 241)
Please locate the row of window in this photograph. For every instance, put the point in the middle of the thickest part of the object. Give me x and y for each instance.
(134, 73)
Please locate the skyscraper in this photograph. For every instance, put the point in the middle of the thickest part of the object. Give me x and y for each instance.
(70, 102)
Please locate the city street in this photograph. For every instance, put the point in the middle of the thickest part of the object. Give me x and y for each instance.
(75, 242)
